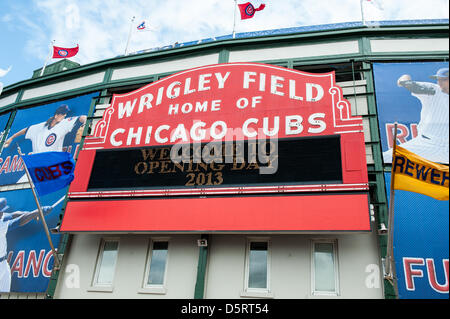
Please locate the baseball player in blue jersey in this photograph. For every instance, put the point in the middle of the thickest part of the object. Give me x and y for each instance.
(432, 137)
(10, 221)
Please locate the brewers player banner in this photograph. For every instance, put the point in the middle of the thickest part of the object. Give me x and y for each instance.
(415, 95)
(420, 244)
(51, 127)
(26, 259)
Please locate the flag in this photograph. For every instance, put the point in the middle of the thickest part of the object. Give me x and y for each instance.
(50, 171)
(248, 10)
(417, 174)
(376, 3)
(61, 53)
(143, 26)
(371, 12)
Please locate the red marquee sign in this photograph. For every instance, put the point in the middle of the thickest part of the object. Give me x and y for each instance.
(245, 102)
(228, 102)
(223, 102)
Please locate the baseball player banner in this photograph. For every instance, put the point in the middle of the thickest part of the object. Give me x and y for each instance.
(415, 95)
(50, 171)
(420, 242)
(26, 258)
(53, 127)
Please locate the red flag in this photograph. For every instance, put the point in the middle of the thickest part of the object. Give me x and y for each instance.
(248, 10)
(63, 53)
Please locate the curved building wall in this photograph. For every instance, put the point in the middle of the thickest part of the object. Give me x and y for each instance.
(222, 269)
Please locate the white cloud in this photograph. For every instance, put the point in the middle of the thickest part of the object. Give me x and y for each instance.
(6, 18)
(101, 27)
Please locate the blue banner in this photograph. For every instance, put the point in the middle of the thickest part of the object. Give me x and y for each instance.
(28, 257)
(50, 171)
(421, 254)
(52, 127)
(411, 95)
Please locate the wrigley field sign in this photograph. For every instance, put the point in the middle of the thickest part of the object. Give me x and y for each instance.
(226, 125)
(186, 152)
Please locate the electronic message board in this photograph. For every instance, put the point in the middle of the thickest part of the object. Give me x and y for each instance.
(298, 161)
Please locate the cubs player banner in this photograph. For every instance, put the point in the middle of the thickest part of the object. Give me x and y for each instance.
(416, 174)
(415, 95)
(26, 258)
(52, 127)
(420, 245)
(50, 171)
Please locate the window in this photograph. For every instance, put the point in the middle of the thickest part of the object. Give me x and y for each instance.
(155, 274)
(257, 279)
(343, 71)
(324, 268)
(106, 263)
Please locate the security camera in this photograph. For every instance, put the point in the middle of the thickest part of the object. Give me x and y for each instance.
(202, 243)
(383, 230)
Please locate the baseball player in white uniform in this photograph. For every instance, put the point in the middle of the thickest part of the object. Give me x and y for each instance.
(432, 138)
(10, 221)
(49, 136)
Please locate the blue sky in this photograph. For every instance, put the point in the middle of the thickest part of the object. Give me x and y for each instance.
(101, 27)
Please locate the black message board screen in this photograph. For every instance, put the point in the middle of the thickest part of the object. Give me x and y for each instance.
(312, 160)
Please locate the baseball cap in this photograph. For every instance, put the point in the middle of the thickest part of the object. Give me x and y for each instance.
(441, 73)
(63, 109)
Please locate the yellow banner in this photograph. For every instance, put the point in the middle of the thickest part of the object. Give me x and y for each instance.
(416, 174)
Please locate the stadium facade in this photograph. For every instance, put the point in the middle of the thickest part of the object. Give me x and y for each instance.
(316, 229)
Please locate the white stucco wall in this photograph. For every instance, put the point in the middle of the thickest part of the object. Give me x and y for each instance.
(290, 267)
(290, 259)
(130, 268)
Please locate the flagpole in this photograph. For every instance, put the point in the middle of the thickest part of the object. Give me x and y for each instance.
(129, 35)
(41, 214)
(234, 19)
(390, 269)
(362, 12)
(48, 57)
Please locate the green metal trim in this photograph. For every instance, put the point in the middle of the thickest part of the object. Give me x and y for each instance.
(10, 106)
(58, 96)
(19, 95)
(363, 55)
(144, 80)
(224, 56)
(63, 245)
(199, 292)
(108, 74)
(380, 188)
(365, 47)
(53, 282)
(413, 30)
